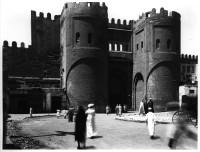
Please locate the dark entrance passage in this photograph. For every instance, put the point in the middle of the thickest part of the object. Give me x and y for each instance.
(56, 103)
(117, 91)
(23, 107)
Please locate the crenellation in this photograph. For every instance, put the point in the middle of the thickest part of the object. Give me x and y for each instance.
(112, 21)
(124, 22)
(153, 12)
(118, 22)
(162, 11)
(49, 16)
(41, 15)
(57, 17)
(22, 45)
(14, 44)
(5, 43)
(33, 14)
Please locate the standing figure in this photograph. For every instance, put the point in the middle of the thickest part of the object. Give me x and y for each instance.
(125, 108)
(120, 110)
(80, 127)
(91, 124)
(65, 114)
(141, 108)
(107, 109)
(151, 121)
(117, 109)
(58, 114)
(70, 114)
(150, 104)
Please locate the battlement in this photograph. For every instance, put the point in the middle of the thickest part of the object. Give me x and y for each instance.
(41, 16)
(118, 25)
(162, 13)
(14, 45)
(189, 58)
(85, 4)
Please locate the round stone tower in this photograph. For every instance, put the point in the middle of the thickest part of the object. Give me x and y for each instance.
(84, 52)
(157, 57)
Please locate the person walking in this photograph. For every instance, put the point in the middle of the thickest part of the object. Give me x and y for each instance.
(91, 124)
(120, 110)
(150, 104)
(107, 109)
(117, 109)
(141, 108)
(150, 122)
(58, 114)
(80, 128)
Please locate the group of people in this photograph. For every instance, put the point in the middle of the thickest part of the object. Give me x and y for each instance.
(147, 108)
(85, 125)
(70, 113)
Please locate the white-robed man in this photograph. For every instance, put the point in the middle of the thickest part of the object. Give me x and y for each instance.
(151, 121)
(91, 125)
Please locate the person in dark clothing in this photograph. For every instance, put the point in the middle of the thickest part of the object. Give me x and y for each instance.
(150, 104)
(80, 127)
(145, 105)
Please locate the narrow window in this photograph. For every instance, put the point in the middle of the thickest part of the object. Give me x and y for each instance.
(110, 46)
(89, 4)
(90, 38)
(192, 69)
(157, 44)
(126, 48)
(188, 69)
(77, 37)
(120, 47)
(115, 47)
(137, 46)
(169, 44)
(183, 68)
(142, 44)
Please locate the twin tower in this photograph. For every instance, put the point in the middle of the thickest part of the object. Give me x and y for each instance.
(153, 47)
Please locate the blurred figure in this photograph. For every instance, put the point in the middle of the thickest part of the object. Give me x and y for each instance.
(151, 121)
(91, 124)
(80, 127)
(107, 109)
(141, 108)
(120, 110)
(70, 114)
(180, 132)
(150, 104)
(125, 108)
(58, 114)
(117, 109)
(65, 114)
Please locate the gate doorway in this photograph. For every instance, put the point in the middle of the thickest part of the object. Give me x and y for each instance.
(117, 91)
(56, 103)
(138, 90)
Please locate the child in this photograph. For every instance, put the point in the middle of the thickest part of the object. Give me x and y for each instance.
(150, 121)
(58, 113)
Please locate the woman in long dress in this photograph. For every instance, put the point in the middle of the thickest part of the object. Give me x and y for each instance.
(91, 125)
(141, 108)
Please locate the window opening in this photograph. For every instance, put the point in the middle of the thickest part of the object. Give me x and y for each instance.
(90, 38)
(77, 37)
(157, 44)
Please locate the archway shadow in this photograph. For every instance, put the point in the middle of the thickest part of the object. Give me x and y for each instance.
(95, 137)
(59, 133)
(156, 137)
(89, 147)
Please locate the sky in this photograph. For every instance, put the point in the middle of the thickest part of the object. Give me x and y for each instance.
(16, 17)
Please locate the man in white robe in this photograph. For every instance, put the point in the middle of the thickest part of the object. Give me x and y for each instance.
(151, 121)
(91, 124)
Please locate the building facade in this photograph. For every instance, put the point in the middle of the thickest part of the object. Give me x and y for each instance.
(91, 59)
